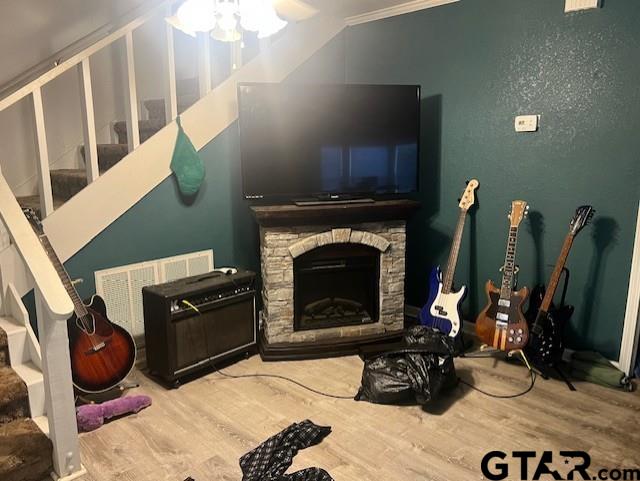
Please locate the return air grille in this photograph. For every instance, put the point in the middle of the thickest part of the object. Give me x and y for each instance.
(121, 287)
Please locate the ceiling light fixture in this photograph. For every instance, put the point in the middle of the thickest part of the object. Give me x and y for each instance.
(223, 17)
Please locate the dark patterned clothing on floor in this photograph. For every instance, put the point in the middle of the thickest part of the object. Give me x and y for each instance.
(270, 460)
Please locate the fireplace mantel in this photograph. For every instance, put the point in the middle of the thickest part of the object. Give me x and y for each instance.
(333, 214)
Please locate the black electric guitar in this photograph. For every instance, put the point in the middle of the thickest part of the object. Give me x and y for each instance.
(547, 323)
(102, 353)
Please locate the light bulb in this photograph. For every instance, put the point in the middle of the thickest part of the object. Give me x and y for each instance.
(250, 14)
(197, 15)
(270, 23)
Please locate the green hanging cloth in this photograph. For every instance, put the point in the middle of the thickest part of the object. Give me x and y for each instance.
(186, 163)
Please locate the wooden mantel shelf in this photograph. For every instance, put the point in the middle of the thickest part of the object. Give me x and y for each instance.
(333, 214)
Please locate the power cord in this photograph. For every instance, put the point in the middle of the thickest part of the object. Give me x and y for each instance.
(257, 375)
(497, 396)
(284, 378)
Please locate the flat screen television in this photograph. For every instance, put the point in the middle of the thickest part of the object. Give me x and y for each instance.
(328, 141)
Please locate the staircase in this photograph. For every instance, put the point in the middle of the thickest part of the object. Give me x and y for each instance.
(25, 450)
(65, 183)
(38, 431)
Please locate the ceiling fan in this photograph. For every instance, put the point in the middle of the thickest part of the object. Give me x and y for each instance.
(222, 17)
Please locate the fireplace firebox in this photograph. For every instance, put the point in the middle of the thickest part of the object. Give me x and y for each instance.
(336, 285)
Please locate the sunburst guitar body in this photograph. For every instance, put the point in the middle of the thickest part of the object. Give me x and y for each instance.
(102, 353)
(502, 324)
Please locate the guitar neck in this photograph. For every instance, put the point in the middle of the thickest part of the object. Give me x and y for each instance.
(508, 268)
(557, 272)
(78, 306)
(447, 282)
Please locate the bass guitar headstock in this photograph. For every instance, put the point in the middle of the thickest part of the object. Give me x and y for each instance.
(468, 196)
(581, 218)
(34, 220)
(519, 210)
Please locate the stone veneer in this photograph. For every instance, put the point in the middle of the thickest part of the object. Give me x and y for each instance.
(279, 246)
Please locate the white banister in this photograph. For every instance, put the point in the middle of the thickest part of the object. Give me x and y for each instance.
(42, 162)
(88, 121)
(74, 60)
(170, 98)
(204, 63)
(53, 308)
(131, 97)
(58, 388)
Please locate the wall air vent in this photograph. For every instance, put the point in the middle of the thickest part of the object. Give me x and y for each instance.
(121, 287)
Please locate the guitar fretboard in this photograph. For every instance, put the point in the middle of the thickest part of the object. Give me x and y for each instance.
(557, 272)
(447, 282)
(509, 264)
(78, 306)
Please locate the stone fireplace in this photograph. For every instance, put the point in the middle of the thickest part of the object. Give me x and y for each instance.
(332, 275)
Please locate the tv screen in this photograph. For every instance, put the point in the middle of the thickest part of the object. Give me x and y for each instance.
(328, 141)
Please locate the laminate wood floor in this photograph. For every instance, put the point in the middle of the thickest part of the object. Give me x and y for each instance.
(202, 428)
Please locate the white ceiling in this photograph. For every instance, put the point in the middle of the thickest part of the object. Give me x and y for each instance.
(349, 8)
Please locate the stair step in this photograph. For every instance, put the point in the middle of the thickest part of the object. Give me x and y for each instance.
(33, 202)
(108, 155)
(4, 349)
(32, 376)
(16, 340)
(65, 183)
(146, 128)
(25, 452)
(155, 107)
(14, 402)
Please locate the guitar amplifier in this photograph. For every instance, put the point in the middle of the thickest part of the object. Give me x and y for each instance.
(192, 322)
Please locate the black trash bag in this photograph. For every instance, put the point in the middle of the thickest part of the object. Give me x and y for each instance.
(415, 373)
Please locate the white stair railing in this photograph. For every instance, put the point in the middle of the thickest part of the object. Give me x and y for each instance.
(81, 62)
(53, 307)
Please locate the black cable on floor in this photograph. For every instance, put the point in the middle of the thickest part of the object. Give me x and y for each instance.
(501, 396)
(277, 376)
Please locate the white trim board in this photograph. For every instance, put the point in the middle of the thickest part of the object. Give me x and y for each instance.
(401, 9)
(122, 186)
(631, 329)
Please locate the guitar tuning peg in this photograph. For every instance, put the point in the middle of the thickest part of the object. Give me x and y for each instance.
(467, 182)
(459, 199)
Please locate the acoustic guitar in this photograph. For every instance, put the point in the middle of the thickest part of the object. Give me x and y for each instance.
(502, 324)
(545, 346)
(442, 310)
(102, 353)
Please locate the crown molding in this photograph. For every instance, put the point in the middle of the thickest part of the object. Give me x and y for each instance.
(401, 9)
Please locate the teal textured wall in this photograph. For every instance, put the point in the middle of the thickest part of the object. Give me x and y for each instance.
(482, 62)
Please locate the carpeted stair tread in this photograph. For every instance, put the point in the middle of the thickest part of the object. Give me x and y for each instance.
(65, 183)
(146, 128)
(25, 452)
(33, 202)
(108, 155)
(155, 107)
(14, 398)
(4, 349)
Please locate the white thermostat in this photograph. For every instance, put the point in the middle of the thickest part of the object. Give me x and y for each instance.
(527, 123)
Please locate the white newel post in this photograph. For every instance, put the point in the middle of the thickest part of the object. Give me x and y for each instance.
(59, 397)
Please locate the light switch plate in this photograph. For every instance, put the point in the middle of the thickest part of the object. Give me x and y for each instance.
(575, 5)
(527, 123)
